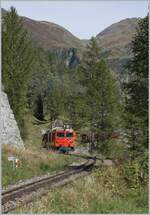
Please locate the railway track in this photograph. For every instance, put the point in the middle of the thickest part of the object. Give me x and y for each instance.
(11, 197)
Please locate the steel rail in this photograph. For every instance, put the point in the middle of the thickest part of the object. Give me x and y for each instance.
(11, 194)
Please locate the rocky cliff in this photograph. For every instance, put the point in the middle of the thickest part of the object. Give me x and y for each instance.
(10, 133)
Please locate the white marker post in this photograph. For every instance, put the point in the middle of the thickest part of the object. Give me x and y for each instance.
(13, 159)
(17, 162)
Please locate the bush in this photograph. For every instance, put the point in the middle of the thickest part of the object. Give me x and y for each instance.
(136, 171)
(113, 149)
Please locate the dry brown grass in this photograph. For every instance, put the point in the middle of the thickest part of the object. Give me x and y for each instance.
(26, 154)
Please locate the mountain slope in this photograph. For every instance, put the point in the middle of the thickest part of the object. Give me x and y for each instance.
(50, 35)
(54, 38)
(115, 43)
(115, 40)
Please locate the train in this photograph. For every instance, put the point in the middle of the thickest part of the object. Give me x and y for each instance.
(95, 137)
(59, 138)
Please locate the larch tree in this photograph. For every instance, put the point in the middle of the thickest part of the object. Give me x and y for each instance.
(17, 59)
(102, 97)
(136, 89)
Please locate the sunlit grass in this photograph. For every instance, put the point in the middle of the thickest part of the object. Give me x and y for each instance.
(32, 163)
(104, 191)
(34, 160)
(33, 138)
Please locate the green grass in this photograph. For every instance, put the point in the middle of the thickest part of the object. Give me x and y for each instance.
(105, 191)
(34, 160)
(33, 138)
(31, 164)
(135, 201)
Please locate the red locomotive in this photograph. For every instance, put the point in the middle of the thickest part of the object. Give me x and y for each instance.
(59, 137)
(64, 138)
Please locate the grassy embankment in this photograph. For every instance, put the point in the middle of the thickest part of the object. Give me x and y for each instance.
(105, 191)
(34, 160)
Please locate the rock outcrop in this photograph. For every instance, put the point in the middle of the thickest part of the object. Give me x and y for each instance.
(10, 133)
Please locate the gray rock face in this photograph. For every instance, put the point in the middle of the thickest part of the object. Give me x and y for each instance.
(10, 133)
(69, 56)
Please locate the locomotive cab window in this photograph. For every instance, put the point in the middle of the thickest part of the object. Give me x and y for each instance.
(60, 134)
(69, 134)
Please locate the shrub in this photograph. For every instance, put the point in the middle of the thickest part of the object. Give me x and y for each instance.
(113, 149)
(136, 171)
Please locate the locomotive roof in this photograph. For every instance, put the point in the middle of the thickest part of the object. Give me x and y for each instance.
(62, 129)
(70, 129)
(57, 128)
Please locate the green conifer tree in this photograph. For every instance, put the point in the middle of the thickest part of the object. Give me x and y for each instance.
(102, 99)
(17, 59)
(136, 89)
(39, 83)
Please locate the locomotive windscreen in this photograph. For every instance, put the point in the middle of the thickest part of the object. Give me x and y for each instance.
(60, 134)
(69, 134)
